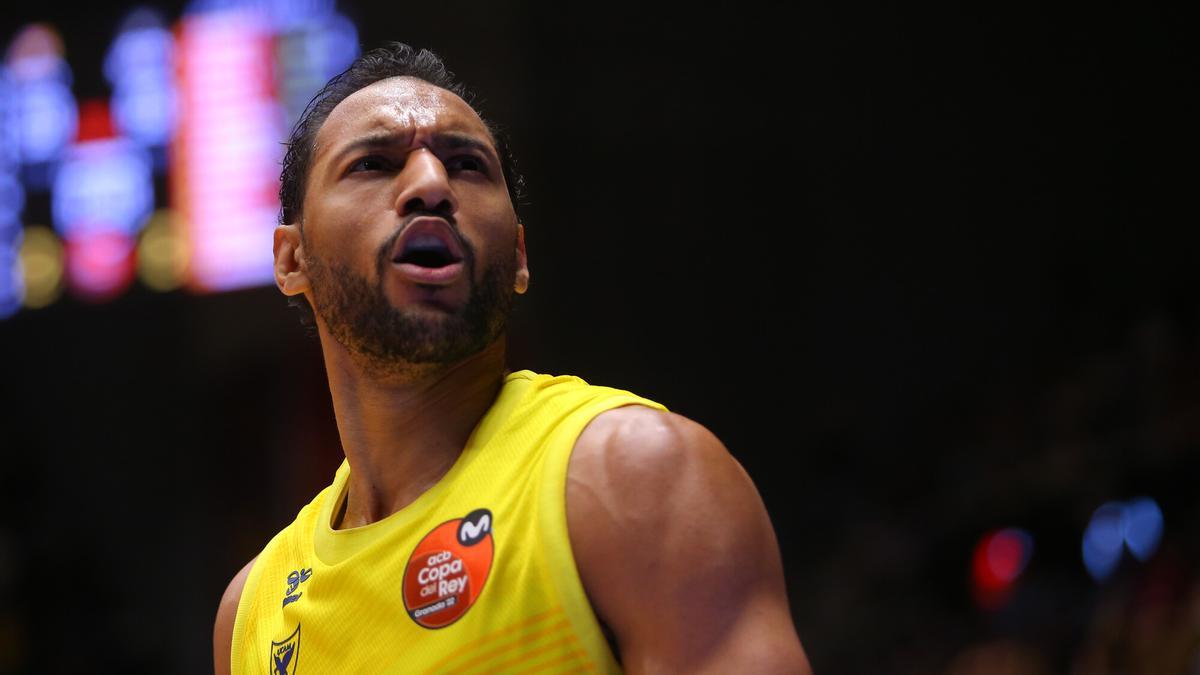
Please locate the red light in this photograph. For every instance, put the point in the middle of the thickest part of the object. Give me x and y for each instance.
(100, 265)
(998, 561)
(95, 121)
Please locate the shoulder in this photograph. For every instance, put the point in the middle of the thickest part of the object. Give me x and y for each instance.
(675, 548)
(641, 473)
(643, 454)
(226, 615)
(649, 434)
(646, 447)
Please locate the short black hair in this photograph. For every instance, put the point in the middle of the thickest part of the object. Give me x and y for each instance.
(394, 59)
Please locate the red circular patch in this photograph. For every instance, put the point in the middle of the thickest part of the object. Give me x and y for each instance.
(447, 570)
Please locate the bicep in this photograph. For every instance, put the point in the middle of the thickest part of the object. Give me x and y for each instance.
(676, 550)
(226, 614)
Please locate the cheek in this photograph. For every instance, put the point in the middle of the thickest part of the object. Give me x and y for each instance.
(497, 222)
(351, 232)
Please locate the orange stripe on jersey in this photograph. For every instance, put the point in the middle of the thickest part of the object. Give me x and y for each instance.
(583, 667)
(567, 645)
(494, 637)
(477, 658)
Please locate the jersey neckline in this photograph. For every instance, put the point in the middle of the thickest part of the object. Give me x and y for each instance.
(332, 547)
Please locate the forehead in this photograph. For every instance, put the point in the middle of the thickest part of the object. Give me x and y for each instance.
(398, 105)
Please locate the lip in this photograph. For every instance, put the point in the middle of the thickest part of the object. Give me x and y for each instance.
(438, 276)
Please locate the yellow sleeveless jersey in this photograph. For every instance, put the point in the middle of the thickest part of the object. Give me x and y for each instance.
(475, 576)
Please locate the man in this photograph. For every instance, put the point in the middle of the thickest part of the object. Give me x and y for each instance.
(484, 520)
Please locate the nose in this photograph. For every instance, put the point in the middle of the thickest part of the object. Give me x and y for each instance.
(424, 185)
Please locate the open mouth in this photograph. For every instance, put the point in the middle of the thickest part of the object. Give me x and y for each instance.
(429, 253)
(428, 242)
(425, 249)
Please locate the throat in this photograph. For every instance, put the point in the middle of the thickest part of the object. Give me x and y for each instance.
(339, 513)
(372, 495)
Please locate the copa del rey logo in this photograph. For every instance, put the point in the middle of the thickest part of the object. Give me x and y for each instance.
(448, 568)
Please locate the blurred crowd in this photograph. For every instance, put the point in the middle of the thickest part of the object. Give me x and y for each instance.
(1039, 448)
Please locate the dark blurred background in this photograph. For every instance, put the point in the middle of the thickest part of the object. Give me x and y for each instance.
(928, 272)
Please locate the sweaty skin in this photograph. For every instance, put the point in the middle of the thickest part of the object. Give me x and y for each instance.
(672, 542)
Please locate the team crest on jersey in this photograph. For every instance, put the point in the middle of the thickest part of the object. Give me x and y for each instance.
(285, 655)
(447, 570)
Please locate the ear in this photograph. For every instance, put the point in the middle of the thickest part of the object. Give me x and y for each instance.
(521, 283)
(290, 275)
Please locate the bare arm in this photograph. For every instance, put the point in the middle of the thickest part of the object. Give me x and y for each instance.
(676, 550)
(226, 613)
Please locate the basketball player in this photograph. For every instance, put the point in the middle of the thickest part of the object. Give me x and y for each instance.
(485, 520)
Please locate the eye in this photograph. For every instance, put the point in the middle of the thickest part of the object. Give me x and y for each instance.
(369, 163)
(466, 163)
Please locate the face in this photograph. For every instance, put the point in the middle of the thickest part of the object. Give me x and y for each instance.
(409, 250)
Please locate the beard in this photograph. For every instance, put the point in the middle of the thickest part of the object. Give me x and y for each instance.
(387, 340)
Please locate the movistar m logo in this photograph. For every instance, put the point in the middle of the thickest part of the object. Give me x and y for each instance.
(475, 526)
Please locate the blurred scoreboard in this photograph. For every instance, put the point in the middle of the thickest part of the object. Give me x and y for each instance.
(172, 180)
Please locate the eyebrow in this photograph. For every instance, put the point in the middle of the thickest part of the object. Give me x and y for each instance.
(444, 140)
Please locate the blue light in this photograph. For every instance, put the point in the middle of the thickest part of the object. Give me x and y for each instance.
(256, 7)
(12, 202)
(103, 185)
(42, 109)
(145, 115)
(12, 197)
(10, 284)
(140, 66)
(11, 289)
(341, 44)
(139, 54)
(288, 15)
(1102, 541)
(308, 55)
(1142, 527)
(10, 136)
(47, 119)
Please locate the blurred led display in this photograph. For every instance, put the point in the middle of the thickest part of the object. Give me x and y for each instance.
(103, 193)
(205, 103)
(227, 152)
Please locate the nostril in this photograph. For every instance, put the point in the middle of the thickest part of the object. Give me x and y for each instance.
(417, 205)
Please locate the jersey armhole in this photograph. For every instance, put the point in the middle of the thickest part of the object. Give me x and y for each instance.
(553, 515)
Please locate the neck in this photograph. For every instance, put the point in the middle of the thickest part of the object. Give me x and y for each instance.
(401, 434)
